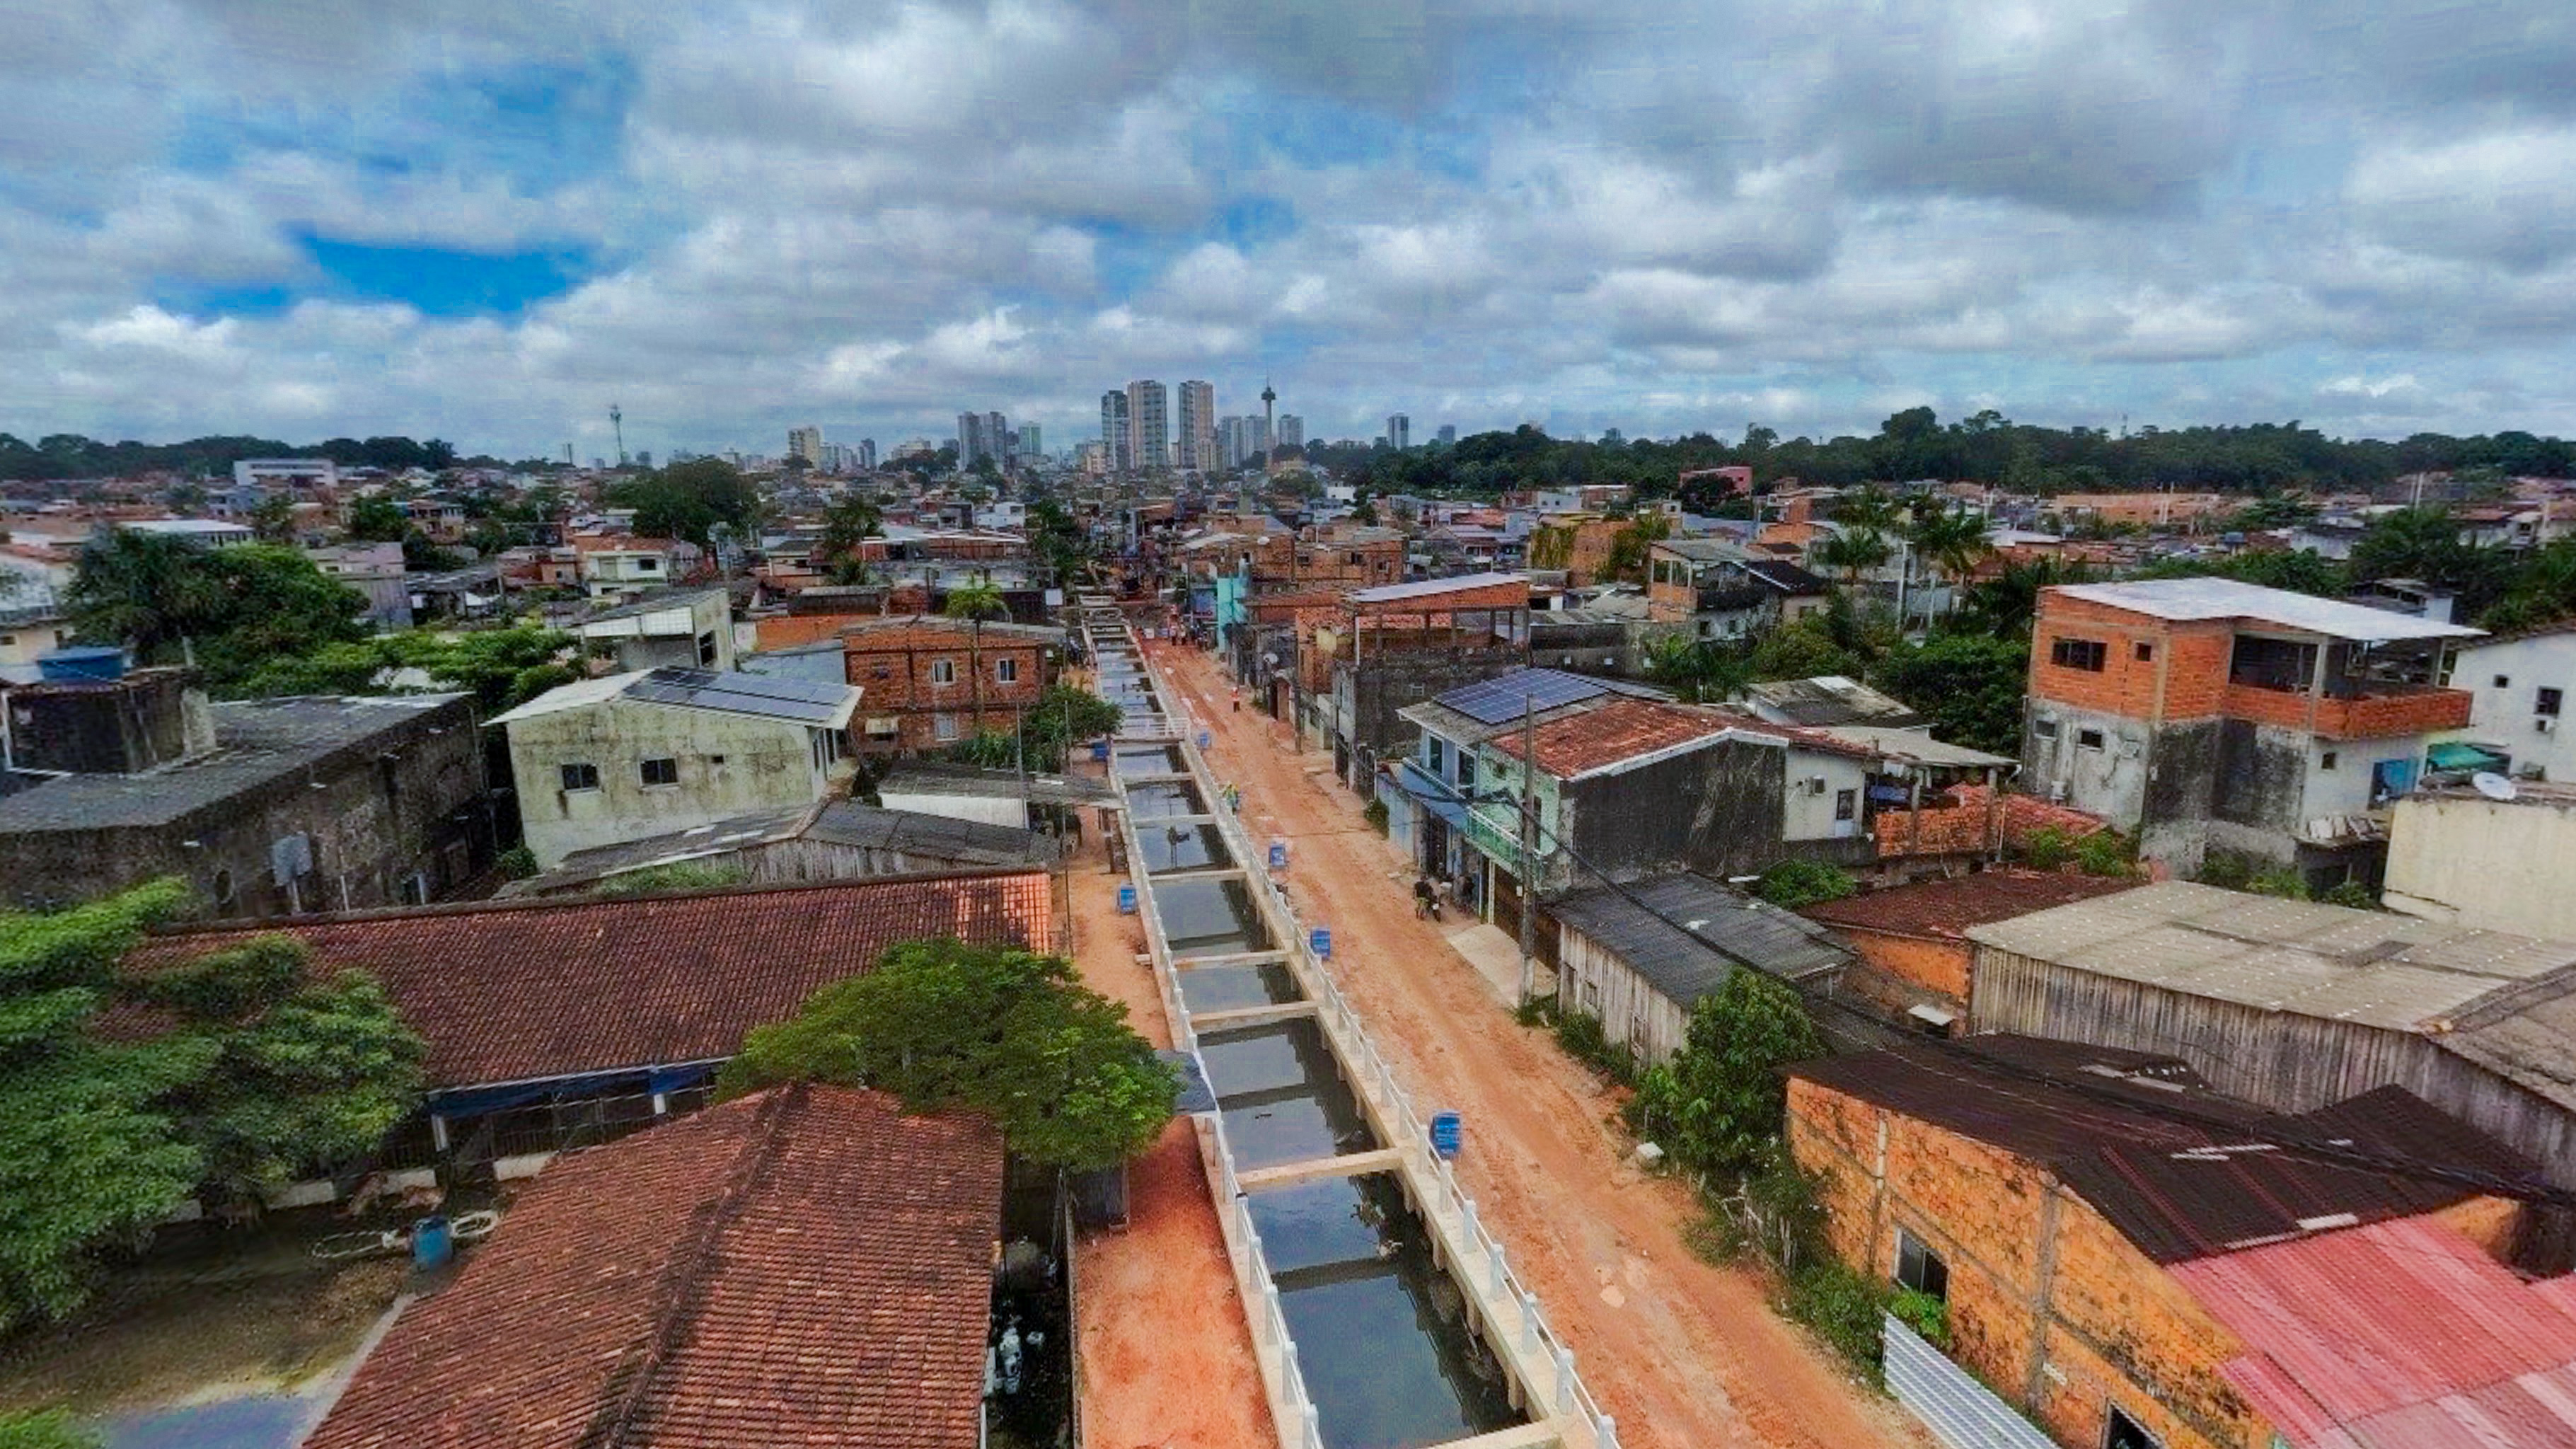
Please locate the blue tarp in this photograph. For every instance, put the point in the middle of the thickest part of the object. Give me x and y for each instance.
(1434, 794)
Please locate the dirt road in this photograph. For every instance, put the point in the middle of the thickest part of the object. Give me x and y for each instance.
(1166, 1351)
(1683, 1354)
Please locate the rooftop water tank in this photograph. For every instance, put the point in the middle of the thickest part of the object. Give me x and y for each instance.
(81, 664)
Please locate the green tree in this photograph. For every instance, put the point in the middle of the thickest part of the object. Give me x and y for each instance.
(89, 1155)
(975, 602)
(501, 668)
(1950, 543)
(237, 608)
(1855, 551)
(1793, 884)
(45, 1429)
(2007, 604)
(690, 500)
(272, 520)
(852, 519)
(1717, 1106)
(302, 1072)
(992, 1029)
(1631, 545)
(377, 518)
(1698, 671)
(1969, 686)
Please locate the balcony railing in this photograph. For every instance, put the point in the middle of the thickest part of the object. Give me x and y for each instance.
(2383, 711)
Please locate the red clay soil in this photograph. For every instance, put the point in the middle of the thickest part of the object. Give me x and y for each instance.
(1683, 1354)
(1166, 1352)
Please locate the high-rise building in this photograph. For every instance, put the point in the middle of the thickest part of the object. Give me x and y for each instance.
(981, 436)
(1149, 423)
(1448, 435)
(1230, 446)
(1026, 446)
(805, 443)
(1117, 443)
(867, 455)
(1197, 427)
(1292, 431)
(1399, 431)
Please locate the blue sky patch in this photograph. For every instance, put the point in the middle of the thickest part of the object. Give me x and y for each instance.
(443, 282)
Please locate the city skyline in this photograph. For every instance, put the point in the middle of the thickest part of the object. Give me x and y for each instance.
(494, 223)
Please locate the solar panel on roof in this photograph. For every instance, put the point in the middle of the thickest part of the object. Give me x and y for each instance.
(808, 701)
(1498, 701)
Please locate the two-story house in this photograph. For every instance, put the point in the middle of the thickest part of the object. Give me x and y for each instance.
(1726, 590)
(2205, 714)
(692, 628)
(633, 755)
(616, 567)
(2519, 686)
(932, 681)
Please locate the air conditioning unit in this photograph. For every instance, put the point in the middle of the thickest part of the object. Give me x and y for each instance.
(2057, 792)
(1815, 784)
(2545, 725)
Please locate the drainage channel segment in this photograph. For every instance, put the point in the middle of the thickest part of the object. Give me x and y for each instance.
(1348, 1234)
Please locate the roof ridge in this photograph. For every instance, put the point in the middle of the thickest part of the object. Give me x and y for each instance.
(623, 1420)
(270, 925)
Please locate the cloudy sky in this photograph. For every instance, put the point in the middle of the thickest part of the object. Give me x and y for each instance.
(487, 219)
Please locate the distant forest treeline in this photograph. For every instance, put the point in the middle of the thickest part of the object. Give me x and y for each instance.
(69, 455)
(1987, 448)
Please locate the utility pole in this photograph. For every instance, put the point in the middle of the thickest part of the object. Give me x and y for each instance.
(1529, 848)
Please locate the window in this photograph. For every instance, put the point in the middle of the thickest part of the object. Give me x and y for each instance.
(2122, 1432)
(223, 888)
(943, 671)
(2504, 681)
(647, 565)
(1919, 1268)
(2548, 701)
(1006, 671)
(2326, 761)
(581, 777)
(2088, 739)
(1466, 771)
(2146, 652)
(1439, 761)
(884, 726)
(715, 759)
(1846, 804)
(2085, 654)
(707, 648)
(943, 726)
(661, 772)
(2045, 729)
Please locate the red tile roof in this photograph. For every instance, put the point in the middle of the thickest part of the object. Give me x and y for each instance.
(2401, 1335)
(1943, 909)
(807, 1266)
(506, 991)
(1957, 824)
(1620, 730)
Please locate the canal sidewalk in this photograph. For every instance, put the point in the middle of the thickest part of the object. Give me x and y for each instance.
(1685, 1354)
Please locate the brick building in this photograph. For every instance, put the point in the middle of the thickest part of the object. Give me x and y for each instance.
(930, 681)
(2074, 1232)
(2205, 714)
(1913, 939)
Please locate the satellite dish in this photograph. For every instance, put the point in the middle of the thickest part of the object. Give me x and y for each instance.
(2492, 785)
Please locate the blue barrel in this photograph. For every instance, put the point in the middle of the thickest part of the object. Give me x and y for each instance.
(82, 663)
(433, 1242)
(1100, 748)
(1279, 855)
(1126, 900)
(1320, 941)
(1446, 1130)
(1203, 739)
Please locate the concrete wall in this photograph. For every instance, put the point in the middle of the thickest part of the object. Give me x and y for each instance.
(1808, 811)
(1372, 692)
(728, 765)
(2505, 714)
(387, 810)
(2491, 864)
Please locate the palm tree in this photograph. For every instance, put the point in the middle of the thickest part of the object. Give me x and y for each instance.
(1855, 551)
(1949, 543)
(144, 590)
(975, 602)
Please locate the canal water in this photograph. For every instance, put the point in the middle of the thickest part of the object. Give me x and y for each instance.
(1210, 917)
(1149, 760)
(1181, 847)
(1164, 797)
(1281, 1095)
(1381, 1331)
(1233, 988)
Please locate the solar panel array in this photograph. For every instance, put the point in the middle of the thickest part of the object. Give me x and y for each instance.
(807, 701)
(1497, 701)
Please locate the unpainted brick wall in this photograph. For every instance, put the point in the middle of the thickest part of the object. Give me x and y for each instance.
(2184, 677)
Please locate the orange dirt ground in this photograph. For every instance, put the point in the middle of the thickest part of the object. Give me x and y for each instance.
(1166, 1352)
(1683, 1354)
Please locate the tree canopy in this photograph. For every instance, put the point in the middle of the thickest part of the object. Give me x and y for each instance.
(69, 455)
(991, 1029)
(501, 668)
(259, 1069)
(688, 500)
(1716, 1107)
(238, 608)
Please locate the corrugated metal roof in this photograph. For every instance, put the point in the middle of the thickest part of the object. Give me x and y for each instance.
(2176, 1190)
(2182, 600)
(2369, 967)
(1726, 927)
(1428, 588)
(930, 777)
(2400, 1335)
